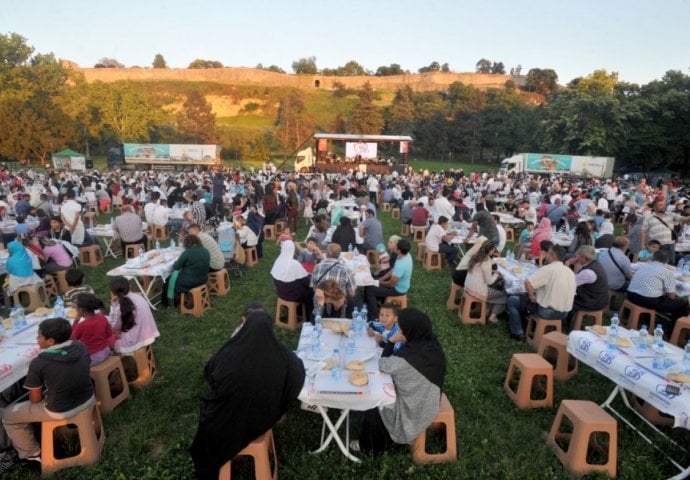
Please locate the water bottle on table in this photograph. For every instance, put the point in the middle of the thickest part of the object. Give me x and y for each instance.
(686, 357)
(21, 316)
(318, 322)
(59, 308)
(158, 245)
(612, 334)
(642, 339)
(351, 342)
(315, 342)
(335, 367)
(659, 336)
(658, 362)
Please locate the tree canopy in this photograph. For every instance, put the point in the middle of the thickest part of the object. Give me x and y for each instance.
(159, 61)
(305, 65)
(199, 63)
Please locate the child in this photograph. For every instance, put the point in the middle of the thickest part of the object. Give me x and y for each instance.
(75, 280)
(284, 235)
(647, 254)
(22, 229)
(63, 369)
(386, 331)
(310, 256)
(308, 210)
(93, 329)
(526, 239)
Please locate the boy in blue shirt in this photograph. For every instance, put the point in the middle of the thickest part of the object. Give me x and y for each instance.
(386, 331)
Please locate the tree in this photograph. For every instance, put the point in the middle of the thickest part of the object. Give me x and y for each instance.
(305, 66)
(445, 67)
(293, 124)
(196, 122)
(432, 67)
(401, 113)
(351, 69)
(14, 52)
(483, 66)
(541, 80)
(366, 117)
(498, 68)
(271, 68)
(339, 125)
(392, 69)
(106, 62)
(159, 61)
(199, 63)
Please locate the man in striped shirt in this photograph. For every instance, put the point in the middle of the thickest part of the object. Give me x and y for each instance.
(659, 226)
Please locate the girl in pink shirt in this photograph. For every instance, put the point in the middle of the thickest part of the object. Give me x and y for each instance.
(56, 256)
(92, 328)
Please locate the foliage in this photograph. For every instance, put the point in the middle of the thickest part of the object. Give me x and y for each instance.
(432, 67)
(498, 68)
(107, 62)
(339, 125)
(541, 80)
(483, 66)
(199, 63)
(366, 117)
(400, 115)
(392, 69)
(293, 124)
(196, 122)
(159, 61)
(350, 69)
(270, 68)
(305, 65)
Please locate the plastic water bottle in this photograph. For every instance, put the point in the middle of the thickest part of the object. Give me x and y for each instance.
(158, 245)
(612, 334)
(658, 362)
(349, 248)
(142, 258)
(172, 244)
(315, 342)
(681, 265)
(365, 313)
(642, 339)
(659, 336)
(112, 221)
(21, 317)
(13, 319)
(336, 368)
(318, 322)
(351, 342)
(355, 318)
(59, 308)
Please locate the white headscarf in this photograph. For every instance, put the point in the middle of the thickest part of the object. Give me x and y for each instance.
(286, 268)
(606, 228)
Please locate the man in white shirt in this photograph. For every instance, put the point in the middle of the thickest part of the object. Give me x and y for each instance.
(150, 207)
(442, 207)
(437, 240)
(161, 214)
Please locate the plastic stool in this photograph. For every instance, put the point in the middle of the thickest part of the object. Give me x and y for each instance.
(587, 418)
(386, 207)
(51, 287)
(106, 397)
(510, 234)
(465, 312)
(132, 250)
(261, 450)
(89, 219)
(616, 299)
(419, 234)
(91, 439)
(452, 303)
(91, 256)
(60, 278)
(420, 251)
(291, 323)
(143, 362)
(404, 230)
(597, 315)
(31, 297)
(630, 315)
(554, 345)
(446, 417)
(219, 282)
(160, 232)
(201, 301)
(280, 226)
(251, 255)
(395, 213)
(538, 327)
(401, 300)
(269, 232)
(432, 260)
(679, 337)
(531, 367)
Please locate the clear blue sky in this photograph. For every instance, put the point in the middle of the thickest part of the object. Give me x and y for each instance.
(640, 40)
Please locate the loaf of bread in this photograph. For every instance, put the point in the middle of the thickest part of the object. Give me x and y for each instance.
(359, 379)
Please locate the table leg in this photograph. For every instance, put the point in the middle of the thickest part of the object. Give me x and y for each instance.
(333, 435)
(144, 292)
(108, 243)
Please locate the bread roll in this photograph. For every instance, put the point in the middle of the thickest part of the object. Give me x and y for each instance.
(355, 365)
(599, 329)
(359, 379)
(623, 342)
(678, 377)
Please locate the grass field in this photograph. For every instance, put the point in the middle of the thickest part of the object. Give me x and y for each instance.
(147, 436)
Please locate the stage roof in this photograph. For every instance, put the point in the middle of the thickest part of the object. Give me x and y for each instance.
(350, 137)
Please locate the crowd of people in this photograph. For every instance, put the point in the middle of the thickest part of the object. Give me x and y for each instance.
(217, 215)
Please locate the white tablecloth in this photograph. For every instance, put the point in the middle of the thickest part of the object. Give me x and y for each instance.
(360, 268)
(631, 369)
(380, 390)
(161, 265)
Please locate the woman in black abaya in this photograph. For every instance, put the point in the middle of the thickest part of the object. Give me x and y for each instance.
(253, 380)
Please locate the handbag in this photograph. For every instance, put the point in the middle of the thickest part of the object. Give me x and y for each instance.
(674, 235)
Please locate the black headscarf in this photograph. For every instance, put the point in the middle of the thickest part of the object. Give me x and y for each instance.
(344, 234)
(422, 349)
(253, 380)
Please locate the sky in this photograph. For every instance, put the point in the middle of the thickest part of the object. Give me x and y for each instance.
(640, 40)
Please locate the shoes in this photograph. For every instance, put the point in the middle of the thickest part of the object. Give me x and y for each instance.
(519, 338)
(354, 446)
(493, 318)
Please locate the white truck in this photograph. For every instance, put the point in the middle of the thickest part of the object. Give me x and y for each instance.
(304, 163)
(547, 163)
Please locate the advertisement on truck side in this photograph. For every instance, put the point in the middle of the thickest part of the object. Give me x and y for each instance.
(170, 154)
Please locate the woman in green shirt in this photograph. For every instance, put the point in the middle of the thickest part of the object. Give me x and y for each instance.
(190, 270)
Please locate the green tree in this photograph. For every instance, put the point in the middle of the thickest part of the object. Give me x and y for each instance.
(258, 150)
(159, 61)
(498, 68)
(293, 124)
(199, 63)
(14, 52)
(392, 69)
(432, 67)
(351, 69)
(483, 66)
(401, 113)
(305, 66)
(107, 62)
(339, 125)
(366, 117)
(196, 122)
(541, 80)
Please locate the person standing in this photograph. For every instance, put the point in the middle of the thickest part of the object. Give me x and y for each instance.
(659, 226)
(71, 218)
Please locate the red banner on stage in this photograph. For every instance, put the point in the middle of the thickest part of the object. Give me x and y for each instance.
(323, 145)
(404, 147)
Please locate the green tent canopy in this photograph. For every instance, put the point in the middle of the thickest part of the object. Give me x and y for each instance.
(68, 153)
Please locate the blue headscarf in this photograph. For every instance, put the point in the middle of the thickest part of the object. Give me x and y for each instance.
(19, 263)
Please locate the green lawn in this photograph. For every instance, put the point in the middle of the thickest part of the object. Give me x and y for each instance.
(147, 436)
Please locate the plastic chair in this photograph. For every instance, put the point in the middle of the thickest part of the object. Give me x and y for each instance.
(196, 301)
(31, 297)
(432, 260)
(143, 363)
(445, 417)
(252, 256)
(580, 316)
(219, 282)
(419, 234)
(132, 250)
(289, 321)
(631, 315)
(395, 213)
(269, 232)
(538, 327)
(531, 368)
(261, 451)
(467, 309)
(108, 393)
(679, 336)
(554, 348)
(91, 256)
(452, 303)
(401, 300)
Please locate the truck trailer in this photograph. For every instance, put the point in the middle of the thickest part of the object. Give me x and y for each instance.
(546, 163)
(163, 155)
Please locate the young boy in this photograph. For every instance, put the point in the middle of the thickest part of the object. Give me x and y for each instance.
(63, 369)
(75, 280)
(646, 255)
(526, 239)
(386, 331)
(310, 256)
